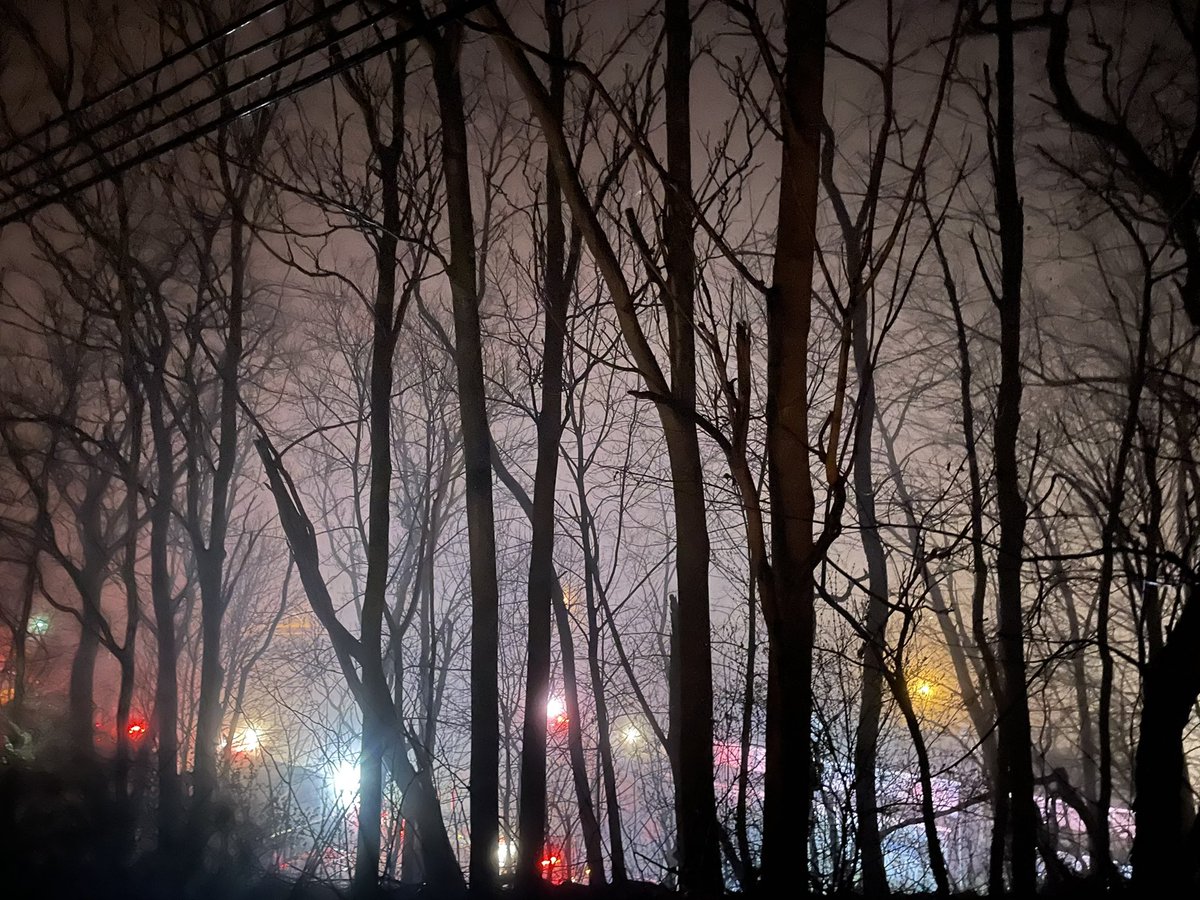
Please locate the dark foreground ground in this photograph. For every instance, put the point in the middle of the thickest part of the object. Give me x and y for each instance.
(60, 839)
(63, 838)
(279, 889)
(162, 885)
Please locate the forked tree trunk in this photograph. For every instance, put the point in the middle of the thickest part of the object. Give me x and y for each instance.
(419, 804)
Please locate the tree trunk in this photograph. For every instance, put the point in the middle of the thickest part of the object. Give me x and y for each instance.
(1162, 862)
(166, 683)
(1015, 736)
(80, 690)
(579, 774)
(379, 712)
(583, 793)
(212, 676)
(608, 773)
(790, 617)
(979, 572)
(741, 817)
(542, 577)
(481, 537)
(866, 745)
(20, 644)
(419, 805)
(937, 859)
(1101, 854)
(365, 882)
(695, 803)
(210, 556)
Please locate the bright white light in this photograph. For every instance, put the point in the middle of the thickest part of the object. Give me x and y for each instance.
(632, 735)
(344, 781)
(506, 853)
(39, 624)
(247, 740)
(555, 708)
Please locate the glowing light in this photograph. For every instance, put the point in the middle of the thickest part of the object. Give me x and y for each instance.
(137, 729)
(556, 712)
(506, 853)
(553, 863)
(39, 624)
(632, 735)
(246, 741)
(299, 624)
(924, 688)
(344, 781)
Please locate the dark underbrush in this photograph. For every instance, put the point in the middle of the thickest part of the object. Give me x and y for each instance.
(63, 835)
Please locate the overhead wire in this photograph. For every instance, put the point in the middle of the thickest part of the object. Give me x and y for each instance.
(278, 67)
(92, 130)
(165, 63)
(335, 68)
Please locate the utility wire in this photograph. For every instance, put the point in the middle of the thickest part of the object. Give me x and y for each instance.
(302, 84)
(165, 63)
(93, 130)
(279, 66)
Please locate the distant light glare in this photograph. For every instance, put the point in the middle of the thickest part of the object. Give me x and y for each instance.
(632, 735)
(556, 713)
(247, 740)
(344, 781)
(925, 689)
(39, 624)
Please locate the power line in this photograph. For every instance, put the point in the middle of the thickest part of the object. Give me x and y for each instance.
(93, 130)
(274, 96)
(278, 67)
(165, 63)
(97, 155)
